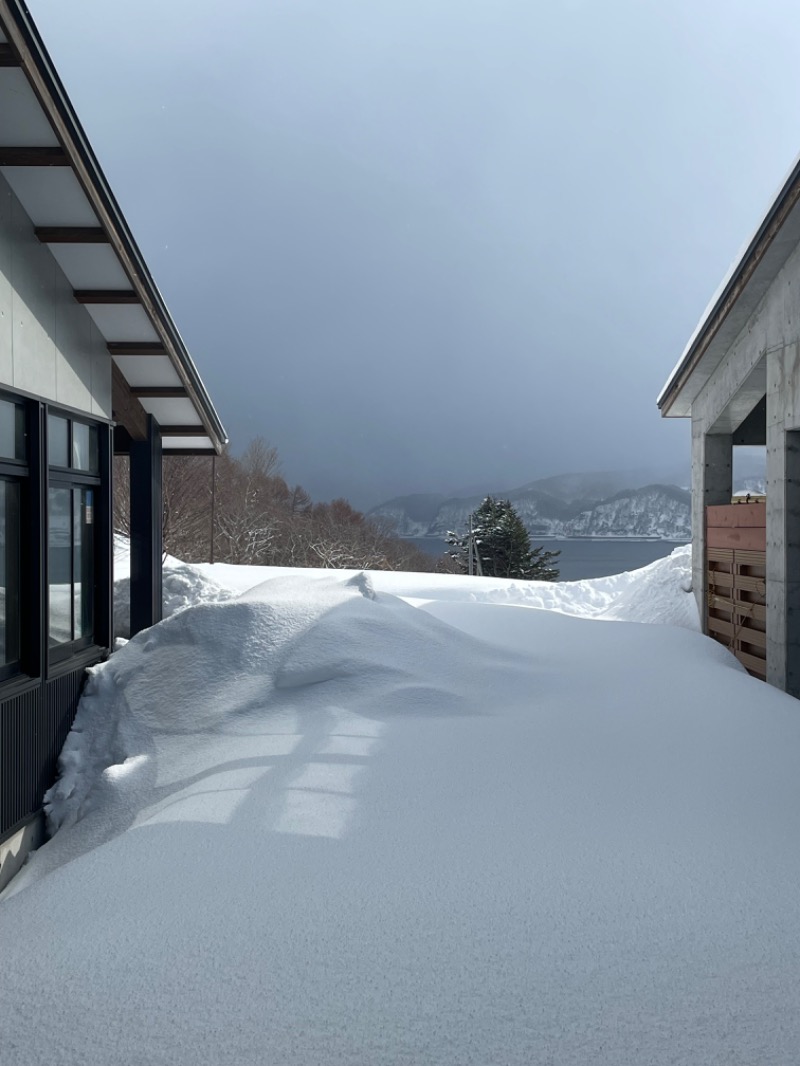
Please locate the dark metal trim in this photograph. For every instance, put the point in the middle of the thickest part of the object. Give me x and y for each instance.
(71, 234)
(106, 296)
(136, 348)
(184, 431)
(146, 529)
(159, 392)
(188, 451)
(33, 157)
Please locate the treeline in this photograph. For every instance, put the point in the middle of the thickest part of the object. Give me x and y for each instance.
(242, 510)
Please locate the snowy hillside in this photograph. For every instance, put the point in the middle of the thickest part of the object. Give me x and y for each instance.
(662, 511)
(655, 511)
(352, 818)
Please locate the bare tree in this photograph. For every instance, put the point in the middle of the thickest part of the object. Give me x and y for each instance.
(252, 515)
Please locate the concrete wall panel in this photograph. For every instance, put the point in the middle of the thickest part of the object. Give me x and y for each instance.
(772, 329)
(49, 345)
(33, 308)
(73, 348)
(102, 365)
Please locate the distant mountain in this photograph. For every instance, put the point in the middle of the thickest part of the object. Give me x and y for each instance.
(657, 511)
(412, 516)
(662, 511)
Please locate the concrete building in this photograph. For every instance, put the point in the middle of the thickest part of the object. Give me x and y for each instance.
(91, 364)
(739, 382)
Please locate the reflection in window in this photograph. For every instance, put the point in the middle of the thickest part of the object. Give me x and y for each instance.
(57, 441)
(84, 447)
(71, 554)
(12, 430)
(9, 571)
(82, 555)
(60, 563)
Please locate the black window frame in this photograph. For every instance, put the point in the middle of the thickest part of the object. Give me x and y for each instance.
(17, 471)
(68, 477)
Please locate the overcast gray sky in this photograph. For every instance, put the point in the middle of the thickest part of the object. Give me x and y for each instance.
(425, 244)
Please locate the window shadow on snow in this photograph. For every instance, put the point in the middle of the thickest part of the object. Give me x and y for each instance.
(230, 715)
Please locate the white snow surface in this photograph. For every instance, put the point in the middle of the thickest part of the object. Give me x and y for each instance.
(402, 819)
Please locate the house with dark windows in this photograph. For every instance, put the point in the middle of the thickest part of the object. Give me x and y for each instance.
(738, 380)
(91, 365)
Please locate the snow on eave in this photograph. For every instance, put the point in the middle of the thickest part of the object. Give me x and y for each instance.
(729, 280)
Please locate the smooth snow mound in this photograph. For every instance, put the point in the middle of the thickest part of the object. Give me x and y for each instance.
(658, 593)
(184, 586)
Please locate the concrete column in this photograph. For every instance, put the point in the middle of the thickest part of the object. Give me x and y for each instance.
(783, 558)
(712, 483)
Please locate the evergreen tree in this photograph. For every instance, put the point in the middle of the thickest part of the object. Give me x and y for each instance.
(502, 545)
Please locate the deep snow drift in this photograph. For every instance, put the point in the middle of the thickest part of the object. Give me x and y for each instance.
(322, 824)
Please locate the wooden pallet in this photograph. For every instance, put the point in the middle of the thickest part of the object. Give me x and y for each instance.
(736, 577)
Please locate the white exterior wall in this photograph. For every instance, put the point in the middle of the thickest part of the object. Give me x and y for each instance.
(49, 345)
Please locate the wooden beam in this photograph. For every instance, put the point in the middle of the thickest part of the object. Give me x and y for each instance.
(8, 57)
(183, 431)
(135, 348)
(187, 451)
(106, 296)
(33, 157)
(71, 235)
(159, 392)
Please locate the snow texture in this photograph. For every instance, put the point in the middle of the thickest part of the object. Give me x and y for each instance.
(401, 819)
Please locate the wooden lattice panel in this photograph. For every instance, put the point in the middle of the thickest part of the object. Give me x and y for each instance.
(737, 604)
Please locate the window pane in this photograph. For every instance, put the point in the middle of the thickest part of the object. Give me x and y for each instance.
(9, 571)
(84, 447)
(12, 430)
(82, 561)
(60, 564)
(57, 441)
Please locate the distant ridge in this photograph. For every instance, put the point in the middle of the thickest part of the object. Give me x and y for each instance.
(567, 505)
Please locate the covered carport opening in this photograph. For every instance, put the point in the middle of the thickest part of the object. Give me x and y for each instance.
(738, 379)
(735, 537)
(151, 422)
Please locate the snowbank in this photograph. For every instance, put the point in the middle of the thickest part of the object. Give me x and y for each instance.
(658, 593)
(316, 823)
(184, 586)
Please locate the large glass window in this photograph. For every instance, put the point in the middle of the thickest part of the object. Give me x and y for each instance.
(71, 555)
(9, 572)
(13, 478)
(73, 457)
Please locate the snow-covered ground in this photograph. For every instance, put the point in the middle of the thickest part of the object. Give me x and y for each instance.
(400, 819)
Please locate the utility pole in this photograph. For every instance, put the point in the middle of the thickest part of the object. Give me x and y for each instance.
(474, 565)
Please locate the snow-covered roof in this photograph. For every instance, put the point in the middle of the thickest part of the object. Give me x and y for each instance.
(741, 290)
(49, 164)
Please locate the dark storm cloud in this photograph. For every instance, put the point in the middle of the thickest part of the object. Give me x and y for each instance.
(420, 245)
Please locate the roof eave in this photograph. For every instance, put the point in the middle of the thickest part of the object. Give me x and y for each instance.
(47, 85)
(728, 293)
